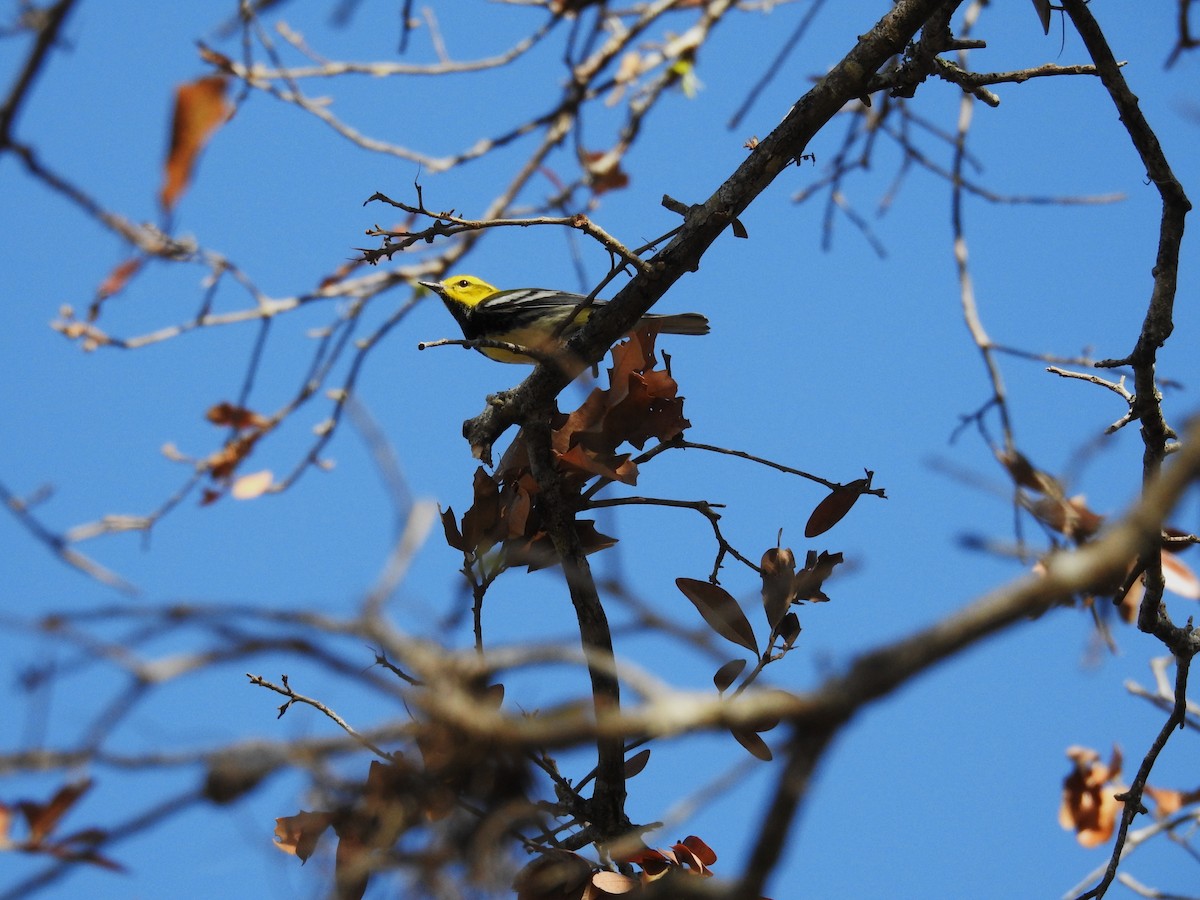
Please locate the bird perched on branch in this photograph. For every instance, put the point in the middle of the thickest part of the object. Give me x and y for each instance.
(532, 317)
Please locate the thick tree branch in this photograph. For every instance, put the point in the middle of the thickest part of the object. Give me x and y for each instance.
(608, 799)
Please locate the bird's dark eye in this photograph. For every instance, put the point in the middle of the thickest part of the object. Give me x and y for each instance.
(462, 282)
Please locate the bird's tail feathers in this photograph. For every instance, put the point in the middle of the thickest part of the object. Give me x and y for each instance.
(677, 323)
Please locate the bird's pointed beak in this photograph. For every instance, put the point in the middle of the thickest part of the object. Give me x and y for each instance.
(434, 286)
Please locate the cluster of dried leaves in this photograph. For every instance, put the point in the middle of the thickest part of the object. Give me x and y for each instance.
(503, 527)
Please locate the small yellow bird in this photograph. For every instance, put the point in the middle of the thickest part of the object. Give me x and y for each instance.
(530, 317)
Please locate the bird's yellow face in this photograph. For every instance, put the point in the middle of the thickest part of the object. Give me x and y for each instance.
(466, 289)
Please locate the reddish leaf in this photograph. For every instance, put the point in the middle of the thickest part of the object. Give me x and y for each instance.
(649, 409)
(833, 508)
(702, 851)
(200, 109)
(720, 611)
(728, 673)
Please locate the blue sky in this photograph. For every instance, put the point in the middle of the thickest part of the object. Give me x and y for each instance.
(827, 361)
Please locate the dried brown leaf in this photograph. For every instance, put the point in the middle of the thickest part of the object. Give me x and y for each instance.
(43, 818)
(604, 171)
(1166, 801)
(479, 523)
(450, 526)
(1026, 475)
(585, 462)
(237, 417)
(200, 109)
(720, 611)
(728, 673)
(118, 278)
(778, 566)
(637, 762)
(834, 507)
(811, 579)
(298, 834)
(789, 630)
(756, 746)
(1089, 805)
